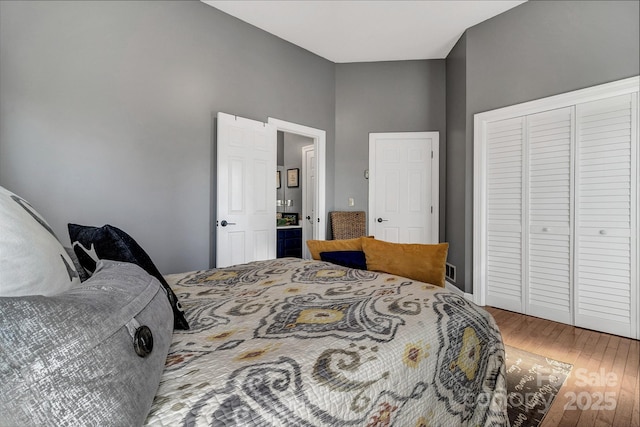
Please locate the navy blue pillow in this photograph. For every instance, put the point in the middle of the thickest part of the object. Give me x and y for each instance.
(351, 259)
(114, 244)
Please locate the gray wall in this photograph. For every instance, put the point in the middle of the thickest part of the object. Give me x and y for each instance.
(401, 96)
(107, 107)
(537, 49)
(458, 157)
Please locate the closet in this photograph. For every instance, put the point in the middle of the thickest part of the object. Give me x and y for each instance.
(556, 208)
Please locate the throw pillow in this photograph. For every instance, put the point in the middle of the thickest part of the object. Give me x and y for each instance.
(92, 355)
(32, 259)
(317, 246)
(108, 242)
(351, 259)
(425, 263)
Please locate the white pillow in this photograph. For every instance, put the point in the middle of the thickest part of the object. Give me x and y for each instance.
(32, 259)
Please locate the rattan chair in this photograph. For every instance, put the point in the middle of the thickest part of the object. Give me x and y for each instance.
(348, 225)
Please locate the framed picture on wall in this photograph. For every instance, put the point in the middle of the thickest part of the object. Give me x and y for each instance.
(278, 182)
(291, 218)
(293, 177)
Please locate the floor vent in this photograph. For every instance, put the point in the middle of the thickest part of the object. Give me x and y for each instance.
(450, 272)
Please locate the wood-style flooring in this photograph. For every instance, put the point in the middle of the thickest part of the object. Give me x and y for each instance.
(604, 386)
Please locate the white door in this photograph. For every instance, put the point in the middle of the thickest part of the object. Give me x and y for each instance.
(246, 210)
(403, 187)
(606, 285)
(549, 208)
(529, 220)
(504, 242)
(308, 197)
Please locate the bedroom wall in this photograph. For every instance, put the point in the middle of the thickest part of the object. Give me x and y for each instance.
(395, 96)
(106, 112)
(537, 49)
(456, 176)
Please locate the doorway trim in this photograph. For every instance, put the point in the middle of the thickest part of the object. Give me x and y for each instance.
(319, 138)
(305, 217)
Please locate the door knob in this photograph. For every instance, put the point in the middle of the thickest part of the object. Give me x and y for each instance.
(380, 220)
(224, 223)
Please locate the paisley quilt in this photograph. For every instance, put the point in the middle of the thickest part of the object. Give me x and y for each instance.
(291, 342)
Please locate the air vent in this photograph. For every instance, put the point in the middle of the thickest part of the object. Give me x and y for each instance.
(450, 272)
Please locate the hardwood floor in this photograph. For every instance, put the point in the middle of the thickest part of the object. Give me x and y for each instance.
(604, 386)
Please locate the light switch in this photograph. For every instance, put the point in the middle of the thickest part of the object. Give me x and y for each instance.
(351, 201)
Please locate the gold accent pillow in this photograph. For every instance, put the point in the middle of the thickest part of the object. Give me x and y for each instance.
(317, 246)
(425, 263)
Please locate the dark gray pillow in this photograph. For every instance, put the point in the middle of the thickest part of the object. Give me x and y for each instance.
(92, 355)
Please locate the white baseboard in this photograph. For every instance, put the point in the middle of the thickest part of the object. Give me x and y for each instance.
(453, 288)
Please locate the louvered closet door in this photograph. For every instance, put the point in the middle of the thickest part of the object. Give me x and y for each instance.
(504, 272)
(606, 190)
(549, 146)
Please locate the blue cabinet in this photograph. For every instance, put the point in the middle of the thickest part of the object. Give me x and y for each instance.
(289, 242)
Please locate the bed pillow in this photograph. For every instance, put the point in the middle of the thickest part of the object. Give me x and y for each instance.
(425, 263)
(317, 246)
(92, 355)
(32, 259)
(351, 259)
(108, 242)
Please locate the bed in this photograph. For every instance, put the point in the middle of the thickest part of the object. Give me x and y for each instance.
(94, 334)
(307, 343)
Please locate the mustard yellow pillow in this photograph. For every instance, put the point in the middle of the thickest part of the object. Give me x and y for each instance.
(317, 246)
(425, 263)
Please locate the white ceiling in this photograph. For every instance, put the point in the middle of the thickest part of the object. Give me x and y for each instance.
(362, 31)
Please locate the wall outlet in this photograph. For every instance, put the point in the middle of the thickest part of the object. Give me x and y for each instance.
(450, 272)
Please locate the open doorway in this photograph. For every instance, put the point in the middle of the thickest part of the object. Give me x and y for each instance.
(293, 213)
(243, 220)
(311, 174)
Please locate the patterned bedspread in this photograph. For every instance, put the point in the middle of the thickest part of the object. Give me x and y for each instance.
(290, 342)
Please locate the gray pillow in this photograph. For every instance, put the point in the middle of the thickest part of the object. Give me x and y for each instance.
(92, 355)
